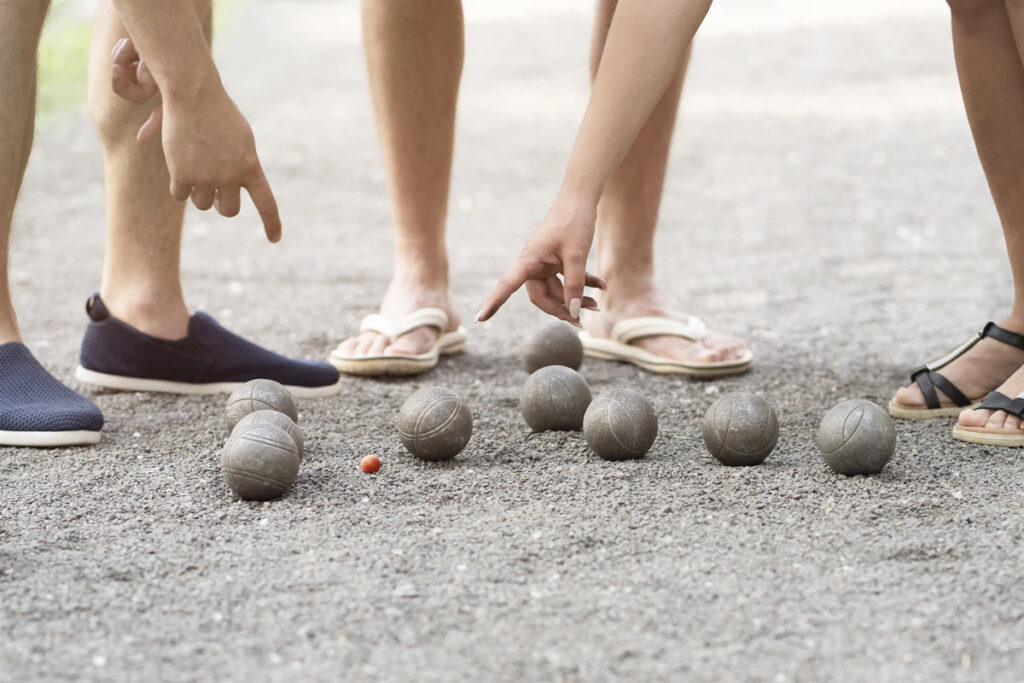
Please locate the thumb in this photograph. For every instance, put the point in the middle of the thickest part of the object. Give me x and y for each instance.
(152, 126)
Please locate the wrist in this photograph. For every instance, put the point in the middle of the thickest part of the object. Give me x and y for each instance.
(186, 87)
(574, 205)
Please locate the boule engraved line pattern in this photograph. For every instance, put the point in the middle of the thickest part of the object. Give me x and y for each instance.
(847, 435)
(611, 402)
(417, 437)
(252, 476)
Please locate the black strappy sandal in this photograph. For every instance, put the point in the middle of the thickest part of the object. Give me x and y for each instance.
(999, 436)
(929, 379)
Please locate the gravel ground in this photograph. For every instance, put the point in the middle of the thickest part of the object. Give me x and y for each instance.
(825, 201)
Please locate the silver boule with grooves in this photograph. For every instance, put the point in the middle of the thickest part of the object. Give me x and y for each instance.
(620, 424)
(856, 437)
(554, 398)
(435, 424)
(554, 344)
(275, 418)
(740, 429)
(260, 462)
(260, 394)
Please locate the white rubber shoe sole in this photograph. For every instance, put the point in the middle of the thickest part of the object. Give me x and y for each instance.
(161, 386)
(49, 439)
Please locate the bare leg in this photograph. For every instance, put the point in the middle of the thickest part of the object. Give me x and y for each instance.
(990, 59)
(141, 274)
(20, 26)
(992, 83)
(414, 53)
(627, 218)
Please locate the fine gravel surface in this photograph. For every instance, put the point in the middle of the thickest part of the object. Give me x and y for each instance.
(825, 202)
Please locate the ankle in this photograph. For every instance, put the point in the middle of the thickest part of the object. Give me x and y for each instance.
(9, 331)
(629, 284)
(422, 268)
(164, 315)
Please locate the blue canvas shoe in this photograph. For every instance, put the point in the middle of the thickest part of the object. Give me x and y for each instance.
(36, 409)
(209, 360)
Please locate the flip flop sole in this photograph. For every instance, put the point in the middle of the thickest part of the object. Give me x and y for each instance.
(400, 366)
(625, 353)
(49, 439)
(980, 435)
(903, 412)
(161, 386)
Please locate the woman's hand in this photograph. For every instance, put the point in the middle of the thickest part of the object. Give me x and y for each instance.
(559, 245)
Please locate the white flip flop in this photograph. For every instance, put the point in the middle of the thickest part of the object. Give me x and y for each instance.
(447, 343)
(618, 347)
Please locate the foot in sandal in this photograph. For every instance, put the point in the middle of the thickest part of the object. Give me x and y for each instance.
(997, 421)
(965, 375)
(417, 324)
(620, 331)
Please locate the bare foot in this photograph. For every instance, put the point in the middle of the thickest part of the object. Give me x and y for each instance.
(997, 419)
(977, 372)
(716, 346)
(406, 294)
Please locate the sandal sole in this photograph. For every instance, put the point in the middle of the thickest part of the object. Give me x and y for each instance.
(902, 412)
(988, 438)
(396, 366)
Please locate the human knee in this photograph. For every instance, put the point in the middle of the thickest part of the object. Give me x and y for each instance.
(116, 120)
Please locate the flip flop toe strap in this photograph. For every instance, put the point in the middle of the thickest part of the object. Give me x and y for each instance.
(631, 329)
(393, 329)
(998, 401)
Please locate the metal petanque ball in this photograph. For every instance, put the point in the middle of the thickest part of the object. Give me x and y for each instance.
(260, 462)
(260, 394)
(435, 424)
(555, 344)
(856, 437)
(620, 424)
(554, 398)
(275, 418)
(740, 429)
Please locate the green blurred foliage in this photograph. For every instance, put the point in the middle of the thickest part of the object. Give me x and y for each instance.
(63, 58)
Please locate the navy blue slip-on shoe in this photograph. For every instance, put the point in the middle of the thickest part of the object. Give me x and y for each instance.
(209, 360)
(36, 409)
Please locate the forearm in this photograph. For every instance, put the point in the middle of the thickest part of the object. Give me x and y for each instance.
(646, 45)
(169, 36)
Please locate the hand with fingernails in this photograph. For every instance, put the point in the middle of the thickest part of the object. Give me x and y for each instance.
(209, 146)
(559, 246)
(646, 45)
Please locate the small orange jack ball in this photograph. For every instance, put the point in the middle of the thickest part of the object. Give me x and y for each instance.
(369, 464)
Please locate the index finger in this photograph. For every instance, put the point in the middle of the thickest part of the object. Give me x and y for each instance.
(511, 281)
(263, 198)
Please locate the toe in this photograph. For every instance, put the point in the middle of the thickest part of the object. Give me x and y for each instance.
(414, 343)
(996, 420)
(912, 396)
(974, 418)
(377, 345)
(348, 346)
(364, 342)
(1012, 422)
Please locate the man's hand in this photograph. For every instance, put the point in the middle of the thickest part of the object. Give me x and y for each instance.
(209, 147)
(559, 245)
